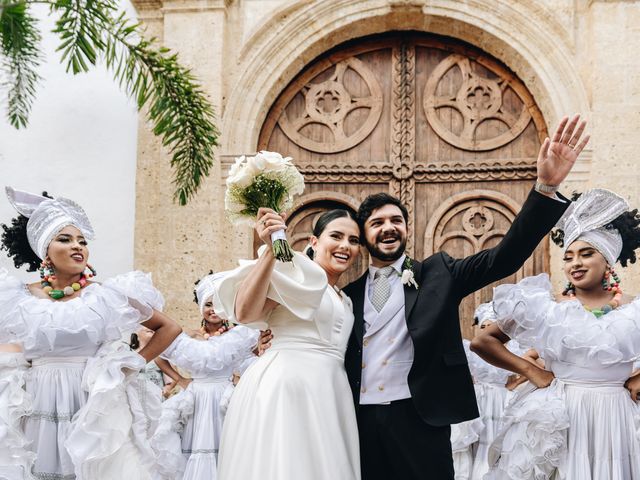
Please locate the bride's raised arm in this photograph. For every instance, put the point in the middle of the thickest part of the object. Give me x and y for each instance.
(251, 302)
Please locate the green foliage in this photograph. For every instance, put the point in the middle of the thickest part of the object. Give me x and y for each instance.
(91, 31)
(21, 55)
(263, 192)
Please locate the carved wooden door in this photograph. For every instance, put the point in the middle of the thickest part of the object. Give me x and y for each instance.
(443, 126)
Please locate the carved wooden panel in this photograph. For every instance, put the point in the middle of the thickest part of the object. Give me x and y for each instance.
(423, 117)
(336, 105)
(467, 223)
(475, 99)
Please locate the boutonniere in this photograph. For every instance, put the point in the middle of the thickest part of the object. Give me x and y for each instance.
(408, 277)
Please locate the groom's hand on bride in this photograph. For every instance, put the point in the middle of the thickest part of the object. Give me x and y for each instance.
(268, 221)
(264, 342)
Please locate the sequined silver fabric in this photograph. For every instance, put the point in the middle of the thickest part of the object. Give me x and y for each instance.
(47, 217)
(585, 220)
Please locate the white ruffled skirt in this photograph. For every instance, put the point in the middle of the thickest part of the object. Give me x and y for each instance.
(464, 437)
(492, 399)
(55, 384)
(569, 431)
(201, 436)
(15, 460)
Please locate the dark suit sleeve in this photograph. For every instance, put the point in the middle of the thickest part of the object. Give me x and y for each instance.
(536, 218)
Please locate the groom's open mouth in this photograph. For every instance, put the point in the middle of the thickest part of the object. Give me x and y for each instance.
(389, 240)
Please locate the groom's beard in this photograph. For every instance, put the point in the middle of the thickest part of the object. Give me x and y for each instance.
(375, 252)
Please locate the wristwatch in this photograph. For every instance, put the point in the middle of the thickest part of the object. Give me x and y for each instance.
(543, 188)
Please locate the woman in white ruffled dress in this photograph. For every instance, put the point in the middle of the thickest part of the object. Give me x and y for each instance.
(493, 388)
(15, 458)
(292, 416)
(90, 416)
(193, 418)
(576, 419)
(465, 436)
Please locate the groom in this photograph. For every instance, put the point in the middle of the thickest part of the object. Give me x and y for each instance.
(405, 360)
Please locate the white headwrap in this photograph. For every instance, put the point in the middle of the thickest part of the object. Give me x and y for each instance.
(47, 217)
(206, 288)
(585, 220)
(484, 313)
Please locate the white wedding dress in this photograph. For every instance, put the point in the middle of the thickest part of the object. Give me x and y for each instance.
(292, 417)
(583, 426)
(188, 434)
(90, 415)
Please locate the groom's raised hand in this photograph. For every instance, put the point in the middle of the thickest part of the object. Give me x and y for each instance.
(558, 155)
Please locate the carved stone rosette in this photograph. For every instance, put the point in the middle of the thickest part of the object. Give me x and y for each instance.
(478, 99)
(329, 103)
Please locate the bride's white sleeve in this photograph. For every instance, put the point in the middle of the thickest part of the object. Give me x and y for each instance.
(297, 286)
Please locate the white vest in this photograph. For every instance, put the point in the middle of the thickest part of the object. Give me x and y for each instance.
(387, 349)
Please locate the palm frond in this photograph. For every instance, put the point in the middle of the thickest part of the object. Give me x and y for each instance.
(19, 59)
(93, 30)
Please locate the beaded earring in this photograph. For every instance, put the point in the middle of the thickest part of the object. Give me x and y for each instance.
(92, 272)
(569, 290)
(610, 281)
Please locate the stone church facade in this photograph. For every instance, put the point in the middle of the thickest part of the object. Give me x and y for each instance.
(443, 103)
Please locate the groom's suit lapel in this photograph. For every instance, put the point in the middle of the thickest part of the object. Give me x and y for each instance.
(357, 299)
(410, 291)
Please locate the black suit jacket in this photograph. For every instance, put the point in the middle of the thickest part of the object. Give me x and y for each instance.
(439, 380)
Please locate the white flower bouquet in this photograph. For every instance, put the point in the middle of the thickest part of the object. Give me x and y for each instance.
(265, 180)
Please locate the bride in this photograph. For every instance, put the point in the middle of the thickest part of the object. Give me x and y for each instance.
(292, 414)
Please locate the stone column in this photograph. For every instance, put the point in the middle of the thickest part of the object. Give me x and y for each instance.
(178, 244)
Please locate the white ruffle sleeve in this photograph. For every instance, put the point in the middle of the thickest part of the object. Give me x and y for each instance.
(564, 330)
(138, 287)
(297, 286)
(212, 355)
(15, 458)
(110, 435)
(13, 294)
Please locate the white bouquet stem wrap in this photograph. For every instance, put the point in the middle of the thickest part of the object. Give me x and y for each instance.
(266, 180)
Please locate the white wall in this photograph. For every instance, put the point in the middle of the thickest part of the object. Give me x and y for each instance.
(80, 143)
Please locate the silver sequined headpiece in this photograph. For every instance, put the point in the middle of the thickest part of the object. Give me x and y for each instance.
(47, 217)
(484, 313)
(206, 288)
(585, 220)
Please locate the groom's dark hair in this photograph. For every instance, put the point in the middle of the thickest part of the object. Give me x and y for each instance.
(375, 201)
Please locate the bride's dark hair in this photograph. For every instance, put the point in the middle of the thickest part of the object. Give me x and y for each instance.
(325, 219)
